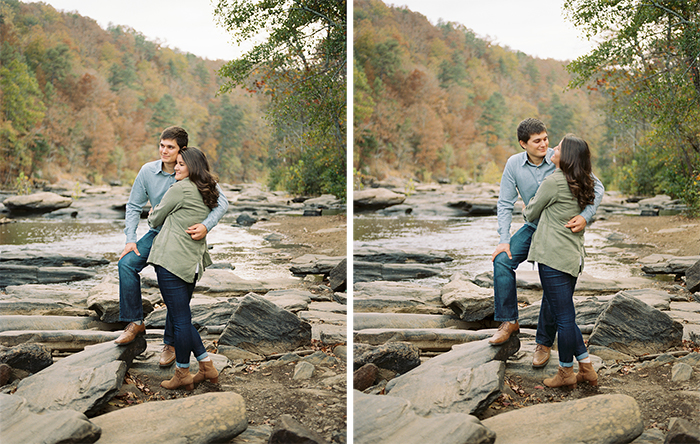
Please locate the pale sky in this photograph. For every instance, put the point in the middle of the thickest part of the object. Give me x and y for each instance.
(188, 25)
(535, 27)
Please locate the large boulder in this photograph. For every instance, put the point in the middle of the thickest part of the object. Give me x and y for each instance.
(29, 357)
(630, 326)
(259, 326)
(468, 300)
(400, 357)
(604, 419)
(372, 199)
(43, 202)
(386, 419)
(202, 419)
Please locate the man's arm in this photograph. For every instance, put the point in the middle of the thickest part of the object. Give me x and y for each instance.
(578, 223)
(137, 199)
(507, 196)
(198, 231)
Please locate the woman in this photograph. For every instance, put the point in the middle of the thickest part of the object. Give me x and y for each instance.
(179, 260)
(559, 252)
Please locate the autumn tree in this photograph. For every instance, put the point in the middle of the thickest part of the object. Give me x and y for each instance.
(301, 67)
(648, 65)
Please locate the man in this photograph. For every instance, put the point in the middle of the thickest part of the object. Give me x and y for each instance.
(524, 172)
(150, 184)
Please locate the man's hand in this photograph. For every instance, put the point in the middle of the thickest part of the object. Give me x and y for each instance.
(578, 223)
(500, 248)
(130, 247)
(197, 231)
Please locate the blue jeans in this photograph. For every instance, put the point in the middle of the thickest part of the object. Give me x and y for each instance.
(130, 302)
(176, 295)
(558, 294)
(505, 289)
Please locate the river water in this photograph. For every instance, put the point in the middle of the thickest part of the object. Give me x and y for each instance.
(241, 247)
(470, 241)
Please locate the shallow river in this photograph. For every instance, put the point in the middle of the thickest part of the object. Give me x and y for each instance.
(232, 244)
(470, 242)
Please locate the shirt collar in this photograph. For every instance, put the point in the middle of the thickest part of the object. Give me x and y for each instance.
(547, 158)
(160, 170)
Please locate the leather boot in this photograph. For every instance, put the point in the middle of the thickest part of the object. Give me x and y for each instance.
(504, 331)
(587, 373)
(206, 371)
(131, 332)
(541, 356)
(182, 377)
(564, 377)
(167, 356)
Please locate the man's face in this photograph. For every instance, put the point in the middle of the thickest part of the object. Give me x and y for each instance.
(168, 150)
(536, 146)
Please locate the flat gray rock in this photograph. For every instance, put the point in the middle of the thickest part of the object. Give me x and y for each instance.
(56, 292)
(21, 425)
(387, 419)
(84, 381)
(408, 290)
(201, 419)
(611, 419)
(428, 339)
(362, 321)
(62, 340)
(19, 322)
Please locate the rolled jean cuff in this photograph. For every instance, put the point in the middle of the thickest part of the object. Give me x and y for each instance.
(566, 364)
(202, 356)
(183, 365)
(582, 356)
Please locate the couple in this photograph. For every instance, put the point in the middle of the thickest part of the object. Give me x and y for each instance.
(562, 195)
(187, 203)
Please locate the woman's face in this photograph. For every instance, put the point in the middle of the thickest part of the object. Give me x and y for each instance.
(181, 170)
(555, 157)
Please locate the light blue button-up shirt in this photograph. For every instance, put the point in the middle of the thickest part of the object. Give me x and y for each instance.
(150, 185)
(523, 177)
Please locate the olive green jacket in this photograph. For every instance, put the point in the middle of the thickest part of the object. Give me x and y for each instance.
(173, 249)
(553, 244)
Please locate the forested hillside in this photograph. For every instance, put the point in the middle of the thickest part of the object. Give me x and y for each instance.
(84, 103)
(435, 102)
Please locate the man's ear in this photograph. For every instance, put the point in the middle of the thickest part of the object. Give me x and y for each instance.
(522, 144)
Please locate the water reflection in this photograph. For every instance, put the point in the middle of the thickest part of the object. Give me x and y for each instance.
(470, 241)
(230, 244)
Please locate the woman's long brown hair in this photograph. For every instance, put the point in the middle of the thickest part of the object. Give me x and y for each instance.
(201, 175)
(575, 163)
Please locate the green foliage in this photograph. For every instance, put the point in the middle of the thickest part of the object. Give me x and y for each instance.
(23, 184)
(301, 68)
(165, 114)
(649, 69)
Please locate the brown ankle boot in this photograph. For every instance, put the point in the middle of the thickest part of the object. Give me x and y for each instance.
(182, 377)
(587, 373)
(564, 377)
(206, 371)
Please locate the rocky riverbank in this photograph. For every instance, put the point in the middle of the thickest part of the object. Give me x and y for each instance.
(65, 379)
(421, 355)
